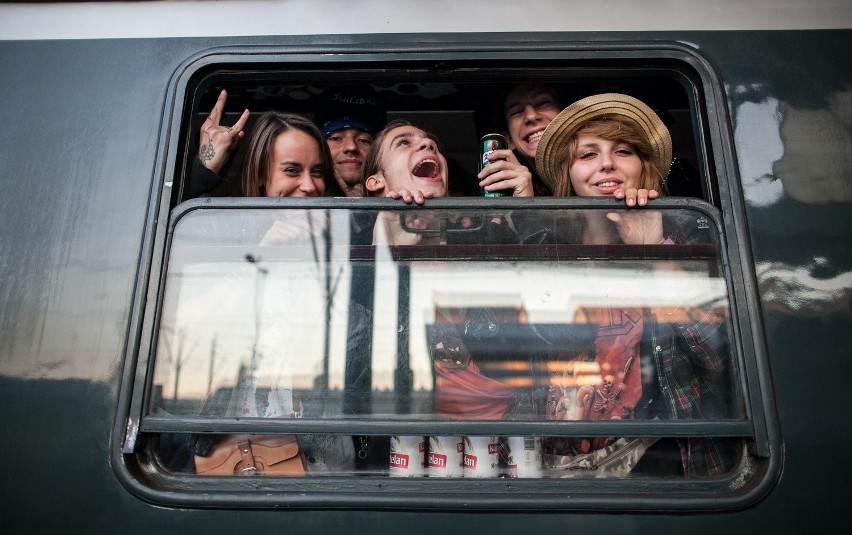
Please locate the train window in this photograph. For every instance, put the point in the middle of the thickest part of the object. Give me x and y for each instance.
(459, 111)
(363, 353)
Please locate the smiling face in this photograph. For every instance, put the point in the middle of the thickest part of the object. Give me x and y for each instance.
(529, 109)
(296, 166)
(602, 167)
(349, 147)
(408, 159)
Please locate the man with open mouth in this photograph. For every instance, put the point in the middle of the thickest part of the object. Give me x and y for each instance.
(405, 163)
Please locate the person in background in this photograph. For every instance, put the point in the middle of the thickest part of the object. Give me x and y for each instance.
(349, 118)
(527, 110)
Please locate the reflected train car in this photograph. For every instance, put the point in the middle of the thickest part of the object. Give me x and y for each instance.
(171, 363)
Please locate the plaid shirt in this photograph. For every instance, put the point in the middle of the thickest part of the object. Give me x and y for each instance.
(689, 359)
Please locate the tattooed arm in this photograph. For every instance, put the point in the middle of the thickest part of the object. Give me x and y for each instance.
(217, 141)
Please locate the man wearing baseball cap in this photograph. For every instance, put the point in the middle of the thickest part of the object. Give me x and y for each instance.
(349, 118)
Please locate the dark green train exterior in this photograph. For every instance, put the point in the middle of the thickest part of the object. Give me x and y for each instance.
(83, 133)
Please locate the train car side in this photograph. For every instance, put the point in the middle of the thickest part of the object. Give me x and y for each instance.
(85, 126)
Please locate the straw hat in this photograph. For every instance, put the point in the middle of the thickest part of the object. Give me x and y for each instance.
(547, 158)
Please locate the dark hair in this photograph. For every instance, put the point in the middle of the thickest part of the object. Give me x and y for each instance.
(258, 160)
(544, 88)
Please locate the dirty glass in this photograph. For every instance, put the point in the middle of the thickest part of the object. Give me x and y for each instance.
(432, 315)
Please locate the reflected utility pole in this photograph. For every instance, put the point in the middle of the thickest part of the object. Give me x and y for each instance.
(177, 357)
(212, 365)
(260, 273)
(329, 289)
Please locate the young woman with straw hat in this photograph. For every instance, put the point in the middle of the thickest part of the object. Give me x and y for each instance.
(615, 145)
(609, 145)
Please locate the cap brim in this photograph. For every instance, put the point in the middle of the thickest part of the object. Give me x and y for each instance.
(341, 123)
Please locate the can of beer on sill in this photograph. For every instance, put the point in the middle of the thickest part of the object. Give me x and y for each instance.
(481, 457)
(407, 454)
(488, 144)
(446, 457)
(524, 459)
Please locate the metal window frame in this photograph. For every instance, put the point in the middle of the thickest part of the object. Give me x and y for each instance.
(141, 474)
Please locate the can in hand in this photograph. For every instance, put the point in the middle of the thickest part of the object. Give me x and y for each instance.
(488, 144)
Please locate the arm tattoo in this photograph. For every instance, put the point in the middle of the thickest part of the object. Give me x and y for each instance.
(207, 153)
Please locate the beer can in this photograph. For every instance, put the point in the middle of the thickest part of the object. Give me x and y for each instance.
(488, 144)
(524, 459)
(481, 458)
(407, 455)
(445, 457)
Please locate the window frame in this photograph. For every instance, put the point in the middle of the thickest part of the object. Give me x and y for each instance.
(143, 476)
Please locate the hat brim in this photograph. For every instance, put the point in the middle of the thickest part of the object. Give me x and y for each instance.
(341, 123)
(549, 160)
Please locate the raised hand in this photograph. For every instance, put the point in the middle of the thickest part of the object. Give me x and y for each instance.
(217, 142)
(638, 227)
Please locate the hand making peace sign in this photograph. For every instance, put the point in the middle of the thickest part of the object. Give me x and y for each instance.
(218, 142)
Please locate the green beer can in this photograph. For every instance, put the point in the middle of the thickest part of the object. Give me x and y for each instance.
(488, 144)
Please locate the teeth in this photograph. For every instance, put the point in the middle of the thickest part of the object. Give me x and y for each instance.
(426, 168)
(534, 136)
(607, 184)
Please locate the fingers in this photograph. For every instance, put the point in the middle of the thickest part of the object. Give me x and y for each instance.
(419, 221)
(408, 197)
(218, 108)
(503, 175)
(615, 218)
(503, 154)
(240, 124)
(502, 160)
(624, 227)
(217, 142)
(634, 197)
(212, 124)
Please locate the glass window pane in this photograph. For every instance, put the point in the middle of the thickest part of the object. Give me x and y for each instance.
(526, 316)
(439, 314)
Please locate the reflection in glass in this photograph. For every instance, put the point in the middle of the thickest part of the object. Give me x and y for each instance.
(478, 317)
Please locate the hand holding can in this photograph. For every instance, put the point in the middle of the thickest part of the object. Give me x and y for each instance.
(487, 145)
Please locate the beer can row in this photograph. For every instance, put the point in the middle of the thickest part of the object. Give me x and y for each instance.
(474, 456)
